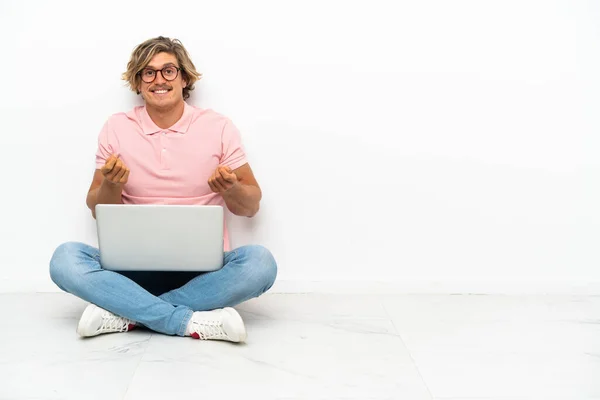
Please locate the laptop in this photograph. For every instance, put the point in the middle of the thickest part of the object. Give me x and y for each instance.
(147, 237)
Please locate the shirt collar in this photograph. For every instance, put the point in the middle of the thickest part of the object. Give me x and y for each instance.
(181, 126)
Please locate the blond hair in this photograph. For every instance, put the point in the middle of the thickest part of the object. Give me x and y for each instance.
(145, 51)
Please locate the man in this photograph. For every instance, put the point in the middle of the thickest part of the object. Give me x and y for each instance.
(168, 152)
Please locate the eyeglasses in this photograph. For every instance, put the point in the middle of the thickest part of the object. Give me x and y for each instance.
(169, 73)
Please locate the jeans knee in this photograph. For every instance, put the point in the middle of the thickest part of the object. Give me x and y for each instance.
(64, 261)
(265, 266)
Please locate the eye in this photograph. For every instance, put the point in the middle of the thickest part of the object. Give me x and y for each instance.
(149, 72)
(170, 71)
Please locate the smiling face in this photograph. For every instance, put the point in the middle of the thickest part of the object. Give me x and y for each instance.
(162, 91)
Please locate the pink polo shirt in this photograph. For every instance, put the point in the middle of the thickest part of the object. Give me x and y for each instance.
(172, 166)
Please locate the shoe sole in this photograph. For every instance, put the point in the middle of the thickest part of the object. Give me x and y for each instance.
(241, 335)
(85, 317)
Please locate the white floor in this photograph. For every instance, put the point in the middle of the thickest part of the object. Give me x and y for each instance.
(316, 347)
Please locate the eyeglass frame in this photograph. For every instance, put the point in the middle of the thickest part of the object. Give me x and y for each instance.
(161, 73)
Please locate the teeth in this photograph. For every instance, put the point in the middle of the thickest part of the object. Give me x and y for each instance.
(160, 91)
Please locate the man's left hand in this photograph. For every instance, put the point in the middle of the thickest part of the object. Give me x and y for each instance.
(222, 180)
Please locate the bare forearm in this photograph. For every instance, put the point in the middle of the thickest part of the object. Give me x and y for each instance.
(243, 200)
(106, 193)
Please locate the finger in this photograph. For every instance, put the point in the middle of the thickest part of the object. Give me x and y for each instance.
(214, 186)
(112, 177)
(222, 174)
(219, 184)
(212, 178)
(219, 177)
(227, 184)
(225, 169)
(115, 171)
(125, 177)
(120, 175)
(227, 176)
(211, 183)
(211, 186)
(229, 170)
(109, 164)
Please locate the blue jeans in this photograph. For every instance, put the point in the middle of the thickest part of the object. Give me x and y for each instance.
(162, 301)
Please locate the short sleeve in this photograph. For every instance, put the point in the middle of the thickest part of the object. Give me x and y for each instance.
(105, 147)
(233, 154)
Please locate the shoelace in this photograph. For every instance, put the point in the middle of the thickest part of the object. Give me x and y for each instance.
(209, 330)
(113, 323)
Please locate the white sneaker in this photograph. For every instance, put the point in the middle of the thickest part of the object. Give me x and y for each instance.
(95, 321)
(221, 324)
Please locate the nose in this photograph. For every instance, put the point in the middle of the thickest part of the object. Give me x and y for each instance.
(159, 79)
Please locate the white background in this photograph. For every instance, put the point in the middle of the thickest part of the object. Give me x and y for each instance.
(407, 145)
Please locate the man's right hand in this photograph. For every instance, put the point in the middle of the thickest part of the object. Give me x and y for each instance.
(115, 171)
